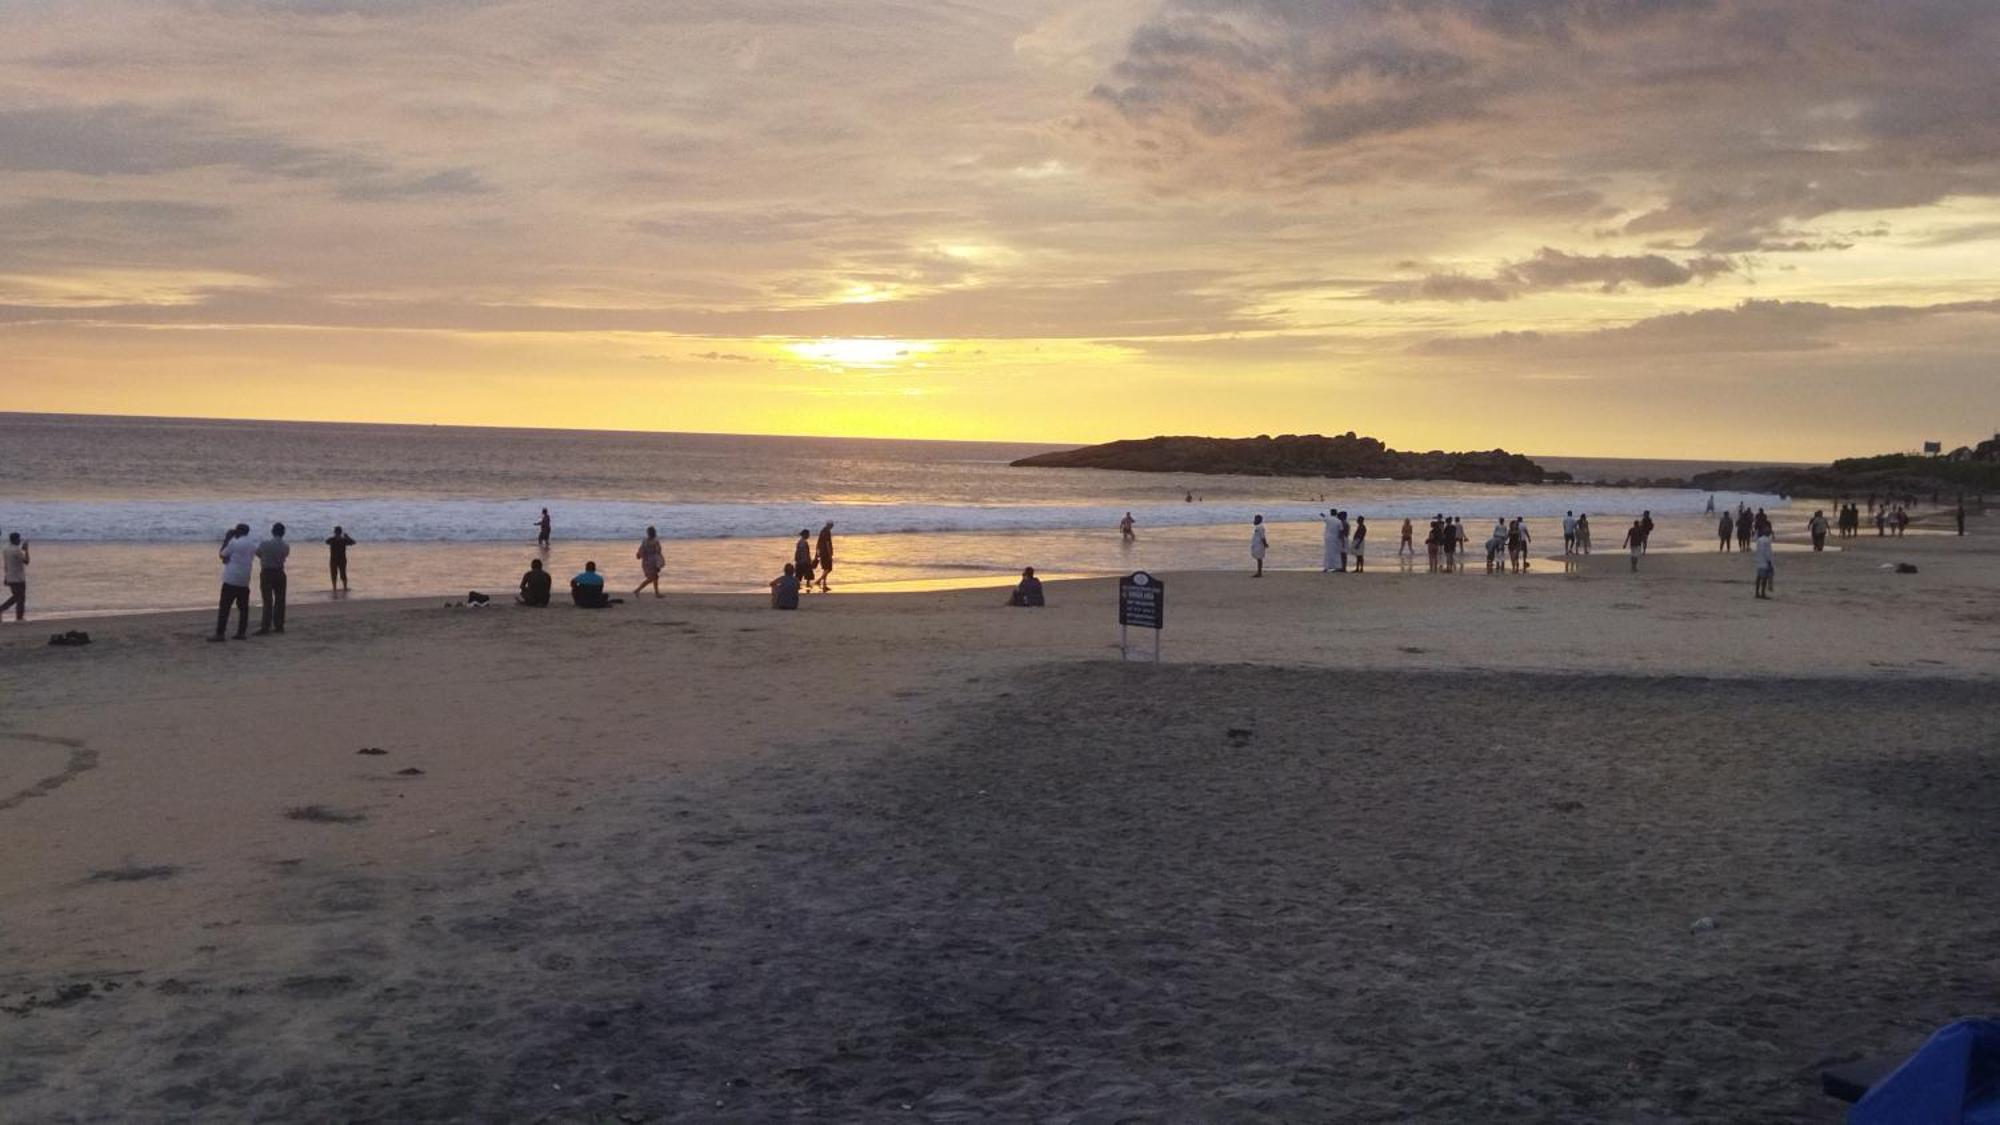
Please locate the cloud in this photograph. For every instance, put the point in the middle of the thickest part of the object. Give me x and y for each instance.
(1722, 119)
(125, 139)
(1751, 326)
(1556, 269)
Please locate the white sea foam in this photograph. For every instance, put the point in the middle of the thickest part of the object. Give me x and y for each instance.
(404, 519)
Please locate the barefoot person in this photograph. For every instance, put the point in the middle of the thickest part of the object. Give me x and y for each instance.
(825, 559)
(1260, 542)
(542, 527)
(1329, 542)
(1125, 529)
(652, 560)
(1360, 541)
(1406, 547)
(237, 555)
(336, 557)
(14, 563)
(1635, 542)
(802, 559)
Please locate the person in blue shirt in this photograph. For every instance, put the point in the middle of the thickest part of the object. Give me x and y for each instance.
(785, 589)
(587, 588)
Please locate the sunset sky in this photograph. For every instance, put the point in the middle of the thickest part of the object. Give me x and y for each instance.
(1702, 228)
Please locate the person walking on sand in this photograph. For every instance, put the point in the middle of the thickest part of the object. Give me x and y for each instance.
(1407, 547)
(14, 566)
(238, 553)
(1527, 541)
(1260, 542)
(1766, 569)
(1645, 529)
(1569, 529)
(1723, 531)
(1635, 542)
(1360, 541)
(825, 559)
(1329, 543)
(1816, 527)
(802, 559)
(336, 557)
(1125, 530)
(1583, 533)
(652, 560)
(271, 553)
(542, 528)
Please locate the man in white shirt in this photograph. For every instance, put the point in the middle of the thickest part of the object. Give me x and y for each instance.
(1766, 569)
(237, 554)
(14, 558)
(272, 553)
(1569, 530)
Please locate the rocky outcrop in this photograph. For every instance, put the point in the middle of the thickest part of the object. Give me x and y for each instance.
(1894, 473)
(1298, 455)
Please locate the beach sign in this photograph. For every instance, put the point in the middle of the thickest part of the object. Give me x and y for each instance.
(1142, 604)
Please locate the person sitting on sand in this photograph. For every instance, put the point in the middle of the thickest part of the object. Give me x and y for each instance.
(1260, 542)
(785, 589)
(1029, 592)
(534, 586)
(587, 588)
(1635, 542)
(1766, 569)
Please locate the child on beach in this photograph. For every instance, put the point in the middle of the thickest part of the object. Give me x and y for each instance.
(1260, 542)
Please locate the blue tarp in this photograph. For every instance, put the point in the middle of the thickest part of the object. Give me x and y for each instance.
(1953, 1079)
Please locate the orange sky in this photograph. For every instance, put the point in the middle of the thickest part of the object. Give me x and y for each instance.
(1621, 230)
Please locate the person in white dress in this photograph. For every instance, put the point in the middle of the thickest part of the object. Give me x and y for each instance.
(1329, 554)
(1260, 542)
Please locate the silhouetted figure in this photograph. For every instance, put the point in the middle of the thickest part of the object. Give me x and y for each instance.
(1766, 569)
(802, 559)
(1260, 542)
(14, 565)
(336, 557)
(534, 586)
(587, 588)
(825, 551)
(272, 553)
(542, 529)
(785, 589)
(1028, 592)
(652, 560)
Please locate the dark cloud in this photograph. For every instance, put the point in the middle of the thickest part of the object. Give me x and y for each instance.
(132, 140)
(1556, 269)
(450, 182)
(1721, 119)
(1752, 326)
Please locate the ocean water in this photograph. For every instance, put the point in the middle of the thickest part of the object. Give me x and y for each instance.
(124, 513)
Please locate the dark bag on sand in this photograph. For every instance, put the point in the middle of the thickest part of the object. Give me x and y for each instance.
(69, 639)
(474, 597)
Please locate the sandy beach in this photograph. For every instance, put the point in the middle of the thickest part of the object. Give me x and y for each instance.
(1364, 848)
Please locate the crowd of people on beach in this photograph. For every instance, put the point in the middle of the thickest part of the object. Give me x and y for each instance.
(1447, 547)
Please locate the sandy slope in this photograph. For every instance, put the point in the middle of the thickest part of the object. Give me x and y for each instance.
(656, 851)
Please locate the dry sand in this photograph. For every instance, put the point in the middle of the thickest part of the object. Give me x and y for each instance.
(693, 859)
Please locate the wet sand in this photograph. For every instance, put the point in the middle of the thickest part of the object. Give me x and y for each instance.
(1406, 849)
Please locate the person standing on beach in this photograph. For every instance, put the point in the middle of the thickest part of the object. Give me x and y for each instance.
(1583, 533)
(1329, 543)
(14, 566)
(1407, 547)
(1344, 533)
(542, 528)
(1260, 542)
(1360, 541)
(1961, 513)
(1816, 527)
(1646, 529)
(1434, 541)
(237, 555)
(272, 553)
(825, 559)
(1569, 529)
(1452, 532)
(336, 557)
(1723, 531)
(1635, 542)
(1766, 569)
(802, 559)
(1742, 528)
(652, 560)
(1125, 530)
